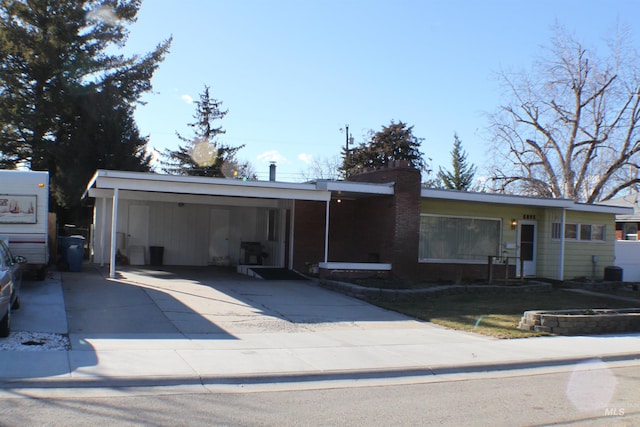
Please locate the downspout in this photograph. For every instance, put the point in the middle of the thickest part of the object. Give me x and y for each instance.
(563, 219)
(114, 223)
(292, 228)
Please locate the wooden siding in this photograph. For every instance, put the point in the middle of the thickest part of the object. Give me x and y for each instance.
(486, 210)
(578, 254)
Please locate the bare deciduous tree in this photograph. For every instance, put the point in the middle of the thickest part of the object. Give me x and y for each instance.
(571, 127)
(323, 168)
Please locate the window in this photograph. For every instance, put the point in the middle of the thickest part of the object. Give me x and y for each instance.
(458, 238)
(583, 232)
(592, 232)
(272, 225)
(570, 231)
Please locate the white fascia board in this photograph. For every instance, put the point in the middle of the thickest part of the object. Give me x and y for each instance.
(616, 210)
(356, 187)
(92, 182)
(146, 176)
(147, 196)
(506, 199)
(213, 187)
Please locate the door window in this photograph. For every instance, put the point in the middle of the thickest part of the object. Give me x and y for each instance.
(527, 242)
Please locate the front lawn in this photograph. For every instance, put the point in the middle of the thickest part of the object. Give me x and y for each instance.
(496, 315)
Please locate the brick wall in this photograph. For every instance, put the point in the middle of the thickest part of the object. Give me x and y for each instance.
(368, 229)
(398, 223)
(308, 238)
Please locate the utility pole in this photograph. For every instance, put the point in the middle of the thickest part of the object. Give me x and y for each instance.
(346, 155)
(347, 135)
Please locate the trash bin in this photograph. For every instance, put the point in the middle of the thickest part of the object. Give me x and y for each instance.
(64, 243)
(613, 273)
(75, 254)
(155, 255)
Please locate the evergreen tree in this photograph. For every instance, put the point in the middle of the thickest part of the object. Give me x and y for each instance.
(393, 142)
(203, 154)
(115, 143)
(461, 178)
(58, 81)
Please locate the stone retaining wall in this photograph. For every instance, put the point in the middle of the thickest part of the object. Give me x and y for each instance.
(579, 322)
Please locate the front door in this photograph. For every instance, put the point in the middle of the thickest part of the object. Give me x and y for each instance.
(219, 236)
(527, 248)
(138, 234)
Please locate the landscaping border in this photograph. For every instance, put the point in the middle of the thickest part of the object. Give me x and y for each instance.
(364, 292)
(582, 322)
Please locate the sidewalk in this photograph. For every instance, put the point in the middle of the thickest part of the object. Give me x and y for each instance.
(252, 341)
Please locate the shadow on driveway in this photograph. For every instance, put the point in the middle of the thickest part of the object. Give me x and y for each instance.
(204, 303)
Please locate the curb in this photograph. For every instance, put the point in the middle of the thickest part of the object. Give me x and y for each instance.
(296, 377)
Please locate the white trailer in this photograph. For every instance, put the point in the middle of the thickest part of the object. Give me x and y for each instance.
(24, 216)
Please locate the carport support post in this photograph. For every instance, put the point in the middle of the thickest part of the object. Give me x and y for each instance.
(114, 224)
(103, 230)
(326, 233)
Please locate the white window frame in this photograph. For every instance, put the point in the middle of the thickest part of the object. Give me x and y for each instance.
(457, 260)
(579, 234)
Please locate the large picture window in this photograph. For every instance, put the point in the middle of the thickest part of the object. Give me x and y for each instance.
(458, 238)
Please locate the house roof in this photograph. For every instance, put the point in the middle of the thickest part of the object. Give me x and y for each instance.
(105, 181)
(131, 184)
(509, 199)
(631, 202)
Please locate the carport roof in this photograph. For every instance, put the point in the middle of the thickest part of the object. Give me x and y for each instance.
(105, 181)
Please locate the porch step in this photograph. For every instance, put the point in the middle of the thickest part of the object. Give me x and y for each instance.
(269, 273)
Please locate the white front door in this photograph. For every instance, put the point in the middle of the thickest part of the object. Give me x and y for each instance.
(218, 235)
(527, 248)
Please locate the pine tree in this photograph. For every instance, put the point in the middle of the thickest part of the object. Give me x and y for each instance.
(64, 94)
(393, 142)
(203, 154)
(461, 178)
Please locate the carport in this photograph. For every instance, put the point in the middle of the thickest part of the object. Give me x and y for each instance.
(202, 221)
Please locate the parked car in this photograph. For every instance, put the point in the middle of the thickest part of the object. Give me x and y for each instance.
(10, 282)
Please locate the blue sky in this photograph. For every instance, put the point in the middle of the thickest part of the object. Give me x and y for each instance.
(293, 73)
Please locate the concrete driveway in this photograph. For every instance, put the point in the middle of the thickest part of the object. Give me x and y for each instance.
(193, 302)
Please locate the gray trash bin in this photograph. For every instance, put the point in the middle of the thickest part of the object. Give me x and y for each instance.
(74, 257)
(64, 244)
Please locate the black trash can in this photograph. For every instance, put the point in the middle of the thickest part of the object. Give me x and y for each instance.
(613, 273)
(156, 254)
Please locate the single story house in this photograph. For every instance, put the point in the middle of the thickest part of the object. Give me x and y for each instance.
(379, 222)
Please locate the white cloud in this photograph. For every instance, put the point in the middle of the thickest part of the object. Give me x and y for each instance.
(271, 156)
(186, 98)
(307, 158)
